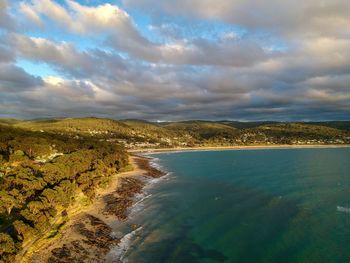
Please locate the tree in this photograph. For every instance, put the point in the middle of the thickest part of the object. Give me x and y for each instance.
(7, 202)
(24, 232)
(6, 244)
(8, 248)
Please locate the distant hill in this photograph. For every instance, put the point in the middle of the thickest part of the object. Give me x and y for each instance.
(341, 125)
(202, 130)
(82, 126)
(144, 134)
(9, 121)
(246, 125)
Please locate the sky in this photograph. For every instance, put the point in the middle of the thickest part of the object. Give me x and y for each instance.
(174, 60)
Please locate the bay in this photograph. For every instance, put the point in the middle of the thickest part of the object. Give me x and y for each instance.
(266, 205)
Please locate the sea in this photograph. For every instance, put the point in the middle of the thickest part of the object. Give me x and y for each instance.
(263, 205)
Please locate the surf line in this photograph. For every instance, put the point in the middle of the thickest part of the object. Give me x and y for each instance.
(343, 209)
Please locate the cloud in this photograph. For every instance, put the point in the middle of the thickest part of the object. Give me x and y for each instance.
(309, 17)
(63, 56)
(76, 17)
(6, 53)
(15, 79)
(239, 53)
(29, 11)
(258, 63)
(123, 35)
(6, 21)
(78, 90)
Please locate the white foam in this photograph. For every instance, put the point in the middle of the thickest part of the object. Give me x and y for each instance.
(343, 209)
(144, 195)
(156, 165)
(142, 199)
(118, 253)
(138, 205)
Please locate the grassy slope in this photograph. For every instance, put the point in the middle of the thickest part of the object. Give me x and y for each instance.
(193, 132)
(9, 121)
(75, 125)
(202, 129)
(302, 128)
(340, 125)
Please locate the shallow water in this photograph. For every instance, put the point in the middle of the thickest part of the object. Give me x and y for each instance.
(276, 205)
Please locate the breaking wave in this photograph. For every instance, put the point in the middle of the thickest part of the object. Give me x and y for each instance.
(343, 209)
(118, 252)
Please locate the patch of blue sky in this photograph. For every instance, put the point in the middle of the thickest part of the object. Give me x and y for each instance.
(273, 45)
(143, 23)
(191, 29)
(38, 69)
(268, 41)
(82, 43)
(160, 29)
(97, 2)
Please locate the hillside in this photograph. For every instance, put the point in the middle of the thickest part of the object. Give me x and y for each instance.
(143, 134)
(340, 125)
(9, 121)
(41, 176)
(82, 126)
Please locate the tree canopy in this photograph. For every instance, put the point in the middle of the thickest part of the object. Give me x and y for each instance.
(40, 176)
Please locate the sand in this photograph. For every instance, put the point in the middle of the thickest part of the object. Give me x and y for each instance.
(238, 147)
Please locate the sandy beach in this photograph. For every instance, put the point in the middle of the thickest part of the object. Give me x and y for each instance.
(245, 147)
(87, 236)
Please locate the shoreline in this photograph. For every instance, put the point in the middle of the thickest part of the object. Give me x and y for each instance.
(88, 234)
(238, 147)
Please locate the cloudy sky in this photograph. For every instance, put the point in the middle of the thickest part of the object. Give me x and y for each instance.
(176, 59)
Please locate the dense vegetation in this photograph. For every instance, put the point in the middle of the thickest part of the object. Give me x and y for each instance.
(41, 176)
(143, 134)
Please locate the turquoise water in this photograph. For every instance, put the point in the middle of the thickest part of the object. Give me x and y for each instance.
(246, 206)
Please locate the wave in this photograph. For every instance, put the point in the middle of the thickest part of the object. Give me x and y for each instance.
(154, 162)
(142, 198)
(343, 209)
(144, 195)
(138, 205)
(118, 253)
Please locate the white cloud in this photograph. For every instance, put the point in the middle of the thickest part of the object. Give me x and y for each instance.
(29, 11)
(78, 18)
